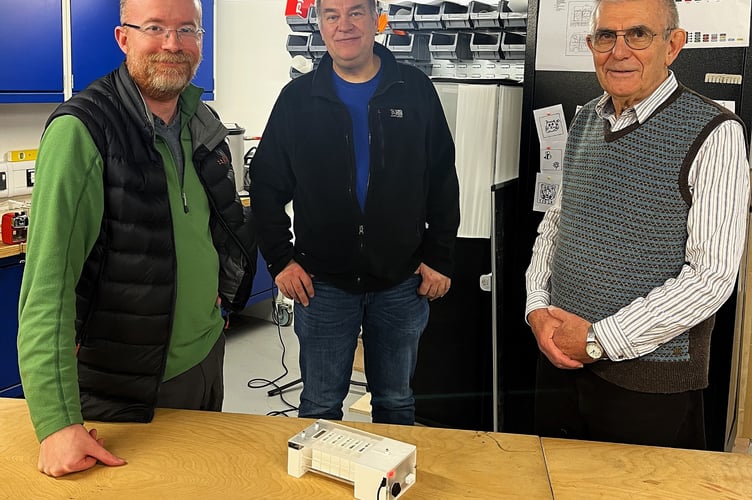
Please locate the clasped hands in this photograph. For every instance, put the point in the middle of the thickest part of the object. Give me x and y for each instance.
(561, 336)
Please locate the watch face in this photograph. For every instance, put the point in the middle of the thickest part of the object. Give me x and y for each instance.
(594, 350)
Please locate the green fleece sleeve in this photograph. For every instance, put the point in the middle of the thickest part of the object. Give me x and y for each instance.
(65, 218)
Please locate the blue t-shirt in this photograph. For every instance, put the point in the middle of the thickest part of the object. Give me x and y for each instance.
(356, 97)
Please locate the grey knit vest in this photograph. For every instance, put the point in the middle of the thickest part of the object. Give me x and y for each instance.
(623, 229)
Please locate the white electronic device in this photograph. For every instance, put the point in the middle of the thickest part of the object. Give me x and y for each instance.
(378, 467)
(20, 178)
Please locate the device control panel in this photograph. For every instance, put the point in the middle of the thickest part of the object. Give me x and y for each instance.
(378, 467)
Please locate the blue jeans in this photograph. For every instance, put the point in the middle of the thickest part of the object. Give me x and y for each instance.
(392, 322)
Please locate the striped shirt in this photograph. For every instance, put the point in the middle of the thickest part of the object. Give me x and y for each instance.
(716, 225)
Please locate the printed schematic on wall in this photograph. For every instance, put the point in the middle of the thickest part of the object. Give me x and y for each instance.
(564, 24)
(715, 23)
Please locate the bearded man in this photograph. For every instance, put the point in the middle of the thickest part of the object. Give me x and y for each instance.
(137, 241)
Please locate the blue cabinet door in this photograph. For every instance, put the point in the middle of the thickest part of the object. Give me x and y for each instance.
(263, 285)
(95, 51)
(11, 270)
(205, 74)
(31, 51)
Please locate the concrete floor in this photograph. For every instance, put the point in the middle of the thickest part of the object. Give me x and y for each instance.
(259, 349)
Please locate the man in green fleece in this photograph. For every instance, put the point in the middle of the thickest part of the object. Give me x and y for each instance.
(136, 237)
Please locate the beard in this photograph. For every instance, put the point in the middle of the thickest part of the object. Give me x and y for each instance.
(161, 82)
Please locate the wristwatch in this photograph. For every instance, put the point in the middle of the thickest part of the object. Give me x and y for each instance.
(592, 346)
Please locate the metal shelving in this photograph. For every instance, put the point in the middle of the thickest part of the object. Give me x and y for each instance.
(480, 40)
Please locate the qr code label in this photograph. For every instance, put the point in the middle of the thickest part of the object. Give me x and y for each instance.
(547, 191)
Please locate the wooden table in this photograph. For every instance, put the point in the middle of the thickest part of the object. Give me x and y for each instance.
(586, 469)
(190, 454)
(11, 250)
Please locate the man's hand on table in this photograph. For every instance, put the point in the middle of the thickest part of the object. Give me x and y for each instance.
(73, 449)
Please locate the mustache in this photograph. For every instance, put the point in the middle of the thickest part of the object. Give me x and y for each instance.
(173, 58)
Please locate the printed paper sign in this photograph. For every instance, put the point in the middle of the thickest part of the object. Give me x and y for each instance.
(547, 191)
(550, 123)
(551, 156)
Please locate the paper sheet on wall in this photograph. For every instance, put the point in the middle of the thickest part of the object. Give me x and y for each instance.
(715, 23)
(552, 136)
(550, 123)
(564, 24)
(552, 155)
(547, 190)
(730, 105)
(562, 28)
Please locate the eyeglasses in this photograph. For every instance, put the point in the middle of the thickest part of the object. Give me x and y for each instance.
(635, 38)
(156, 31)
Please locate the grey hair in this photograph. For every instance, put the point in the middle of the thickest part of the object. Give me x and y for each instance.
(669, 7)
(197, 3)
(374, 7)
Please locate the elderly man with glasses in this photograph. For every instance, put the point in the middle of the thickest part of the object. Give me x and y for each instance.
(137, 240)
(643, 247)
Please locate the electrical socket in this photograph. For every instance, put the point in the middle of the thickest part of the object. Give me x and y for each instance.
(485, 282)
(4, 184)
(20, 178)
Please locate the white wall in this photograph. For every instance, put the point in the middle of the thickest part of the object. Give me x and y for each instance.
(251, 67)
(21, 125)
(251, 62)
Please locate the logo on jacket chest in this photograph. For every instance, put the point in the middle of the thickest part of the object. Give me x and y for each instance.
(396, 113)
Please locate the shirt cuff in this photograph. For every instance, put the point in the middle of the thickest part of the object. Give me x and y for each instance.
(613, 340)
(536, 300)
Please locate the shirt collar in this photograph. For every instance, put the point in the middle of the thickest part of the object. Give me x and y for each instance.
(644, 108)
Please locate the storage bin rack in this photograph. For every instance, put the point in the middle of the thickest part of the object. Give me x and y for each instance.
(450, 46)
(297, 45)
(483, 39)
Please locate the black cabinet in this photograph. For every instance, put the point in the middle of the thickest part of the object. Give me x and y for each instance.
(453, 377)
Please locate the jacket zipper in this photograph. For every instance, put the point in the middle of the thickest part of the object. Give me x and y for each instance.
(382, 149)
(182, 182)
(351, 181)
(370, 141)
(361, 241)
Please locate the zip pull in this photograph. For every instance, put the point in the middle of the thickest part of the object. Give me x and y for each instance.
(185, 202)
